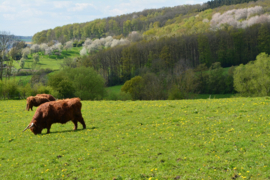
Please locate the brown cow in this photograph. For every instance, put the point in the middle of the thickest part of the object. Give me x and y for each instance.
(35, 101)
(48, 96)
(60, 111)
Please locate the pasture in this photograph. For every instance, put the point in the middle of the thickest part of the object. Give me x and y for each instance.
(187, 139)
(53, 62)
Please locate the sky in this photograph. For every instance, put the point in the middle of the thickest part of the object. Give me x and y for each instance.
(27, 17)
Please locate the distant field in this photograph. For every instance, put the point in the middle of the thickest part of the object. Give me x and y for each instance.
(23, 80)
(115, 89)
(185, 139)
(53, 62)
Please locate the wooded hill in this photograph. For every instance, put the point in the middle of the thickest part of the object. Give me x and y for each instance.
(137, 21)
(174, 39)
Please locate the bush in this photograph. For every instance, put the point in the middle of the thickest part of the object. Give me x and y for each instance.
(81, 82)
(175, 93)
(134, 86)
(60, 83)
(80, 43)
(89, 85)
(9, 89)
(253, 79)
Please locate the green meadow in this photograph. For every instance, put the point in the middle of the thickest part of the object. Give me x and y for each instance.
(53, 61)
(186, 139)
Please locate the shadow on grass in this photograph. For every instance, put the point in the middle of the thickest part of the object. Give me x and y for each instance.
(67, 131)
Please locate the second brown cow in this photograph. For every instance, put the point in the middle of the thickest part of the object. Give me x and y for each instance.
(38, 100)
(48, 96)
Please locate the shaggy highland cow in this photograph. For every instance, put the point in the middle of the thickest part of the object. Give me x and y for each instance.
(35, 101)
(60, 111)
(48, 96)
(38, 100)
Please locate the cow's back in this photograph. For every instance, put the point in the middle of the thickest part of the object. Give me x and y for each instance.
(60, 111)
(48, 96)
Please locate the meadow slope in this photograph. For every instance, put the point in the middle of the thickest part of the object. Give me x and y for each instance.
(187, 139)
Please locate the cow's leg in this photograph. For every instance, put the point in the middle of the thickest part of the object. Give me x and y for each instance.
(81, 120)
(48, 128)
(75, 124)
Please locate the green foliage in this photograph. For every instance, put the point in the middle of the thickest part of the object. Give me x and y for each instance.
(204, 50)
(22, 63)
(9, 89)
(60, 82)
(36, 58)
(88, 84)
(216, 79)
(81, 82)
(264, 39)
(175, 93)
(134, 87)
(218, 3)
(253, 79)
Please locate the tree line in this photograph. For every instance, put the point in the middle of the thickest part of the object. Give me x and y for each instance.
(217, 3)
(124, 24)
(229, 46)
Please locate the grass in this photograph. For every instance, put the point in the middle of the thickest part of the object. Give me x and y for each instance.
(23, 80)
(188, 139)
(115, 89)
(53, 62)
(213, 96)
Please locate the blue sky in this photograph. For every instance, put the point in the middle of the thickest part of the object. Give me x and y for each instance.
(26, 17)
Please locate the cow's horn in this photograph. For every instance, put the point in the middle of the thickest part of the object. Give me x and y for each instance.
(31, 125)
(28, 127)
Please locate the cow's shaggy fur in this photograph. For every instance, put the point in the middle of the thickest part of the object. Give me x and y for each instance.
(60, 111)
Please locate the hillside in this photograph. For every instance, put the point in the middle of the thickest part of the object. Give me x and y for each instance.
(148, 19)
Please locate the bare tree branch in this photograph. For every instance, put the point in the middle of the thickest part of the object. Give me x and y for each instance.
(6, 40)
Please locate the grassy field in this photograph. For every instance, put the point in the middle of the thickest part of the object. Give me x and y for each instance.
(189, 139)
(115, 89)
(53, 62)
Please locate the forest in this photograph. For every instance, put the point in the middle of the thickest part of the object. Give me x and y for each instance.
(229, 47)
(124, 24)
(173, 53)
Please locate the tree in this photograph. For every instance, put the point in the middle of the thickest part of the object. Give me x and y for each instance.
(62, 84)
(36, 58)
(89, 85)
(34, 48)
(22, 62)
(68, 45)
(264, 39)
(253, 79)
(25, 52)
(82, 82)
(6, 40)
(48, 51)
(134, 86)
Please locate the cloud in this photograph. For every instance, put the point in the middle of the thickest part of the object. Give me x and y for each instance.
(81, 6)
(62, 4)
(37, 15)
(7, 8)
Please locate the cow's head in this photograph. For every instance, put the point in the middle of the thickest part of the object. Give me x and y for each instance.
(30, 100)
(34, 128)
